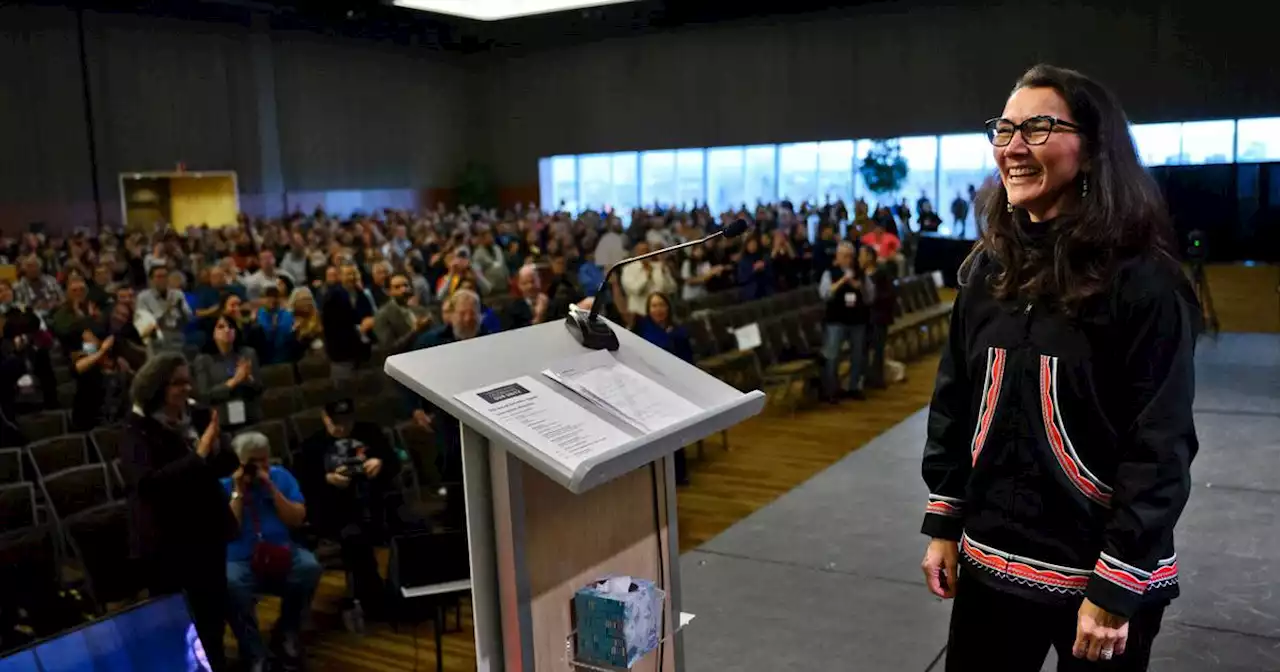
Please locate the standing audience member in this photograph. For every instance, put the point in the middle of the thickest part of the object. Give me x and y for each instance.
(180, 520)
(460, 270)
(40, 291)
(845, 321)
(696, 271)
(883, 299)
(74, 316)
(346, 471)
(27, 380)
(379, 276)
(531, 308)
(227, 377)
(266, 276)
(883, 240)
(489, 260)
(463, 324)
(348, 321)
(397, 325)
(167, 309)
(755, 273)
(102, 384)
(639, 280)
(266, 504)
(563, 290)
(308, 331)
(658, 326)
(275, 323)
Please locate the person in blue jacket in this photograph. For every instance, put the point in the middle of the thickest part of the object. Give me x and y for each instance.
(659, 327)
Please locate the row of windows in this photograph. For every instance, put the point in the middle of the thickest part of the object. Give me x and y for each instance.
(939, 167)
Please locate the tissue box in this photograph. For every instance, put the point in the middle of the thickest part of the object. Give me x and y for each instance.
(618, 620)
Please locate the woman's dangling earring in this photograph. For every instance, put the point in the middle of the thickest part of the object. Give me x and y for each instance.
(1008, 207)
(1084, 186)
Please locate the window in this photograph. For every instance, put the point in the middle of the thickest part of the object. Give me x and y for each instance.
(798, 173)
(1158, 144)
(1258, 139)
(760, 184)
(626, 184)
(921, 153)
(595, 183)
(835, 171)
(657, 178)
(1208, 142)
(690, 169)
(965, 161)
(860, 190)
(544, 185)
(564, 184)
(725, 179)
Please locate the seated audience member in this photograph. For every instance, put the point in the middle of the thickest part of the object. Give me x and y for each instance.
(308, 332)
(531, 307)
(102, 288)
(463, 323)
(27, 381)
(103, 378)
(167, 309)
(267, 504)
(643, 278)
(848, 297)
(36, 289)
(180, 523)
(563, 290)
(75, 315)
(346, 471)
(275, 323)
(755, 274)
(226, 377)
(460, 269)
(397, 324)
(658, 327)
(347, 316)
(129, 344)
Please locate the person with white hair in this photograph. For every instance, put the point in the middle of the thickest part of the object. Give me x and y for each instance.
(531, 307)
(267, 504)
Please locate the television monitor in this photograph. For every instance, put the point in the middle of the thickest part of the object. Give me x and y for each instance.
(154, 636)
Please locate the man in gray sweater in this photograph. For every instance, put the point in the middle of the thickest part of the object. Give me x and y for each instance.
(168, 308)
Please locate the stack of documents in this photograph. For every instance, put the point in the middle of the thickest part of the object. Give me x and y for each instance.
(622, 391)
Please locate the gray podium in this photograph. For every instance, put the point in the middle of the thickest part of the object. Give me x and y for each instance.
(538, 532)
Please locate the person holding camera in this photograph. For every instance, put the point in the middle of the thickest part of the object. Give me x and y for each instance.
(179, 521)
(347, 470)
(267, 504)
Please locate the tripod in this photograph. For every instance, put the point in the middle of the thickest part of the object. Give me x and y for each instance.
(1206, 298)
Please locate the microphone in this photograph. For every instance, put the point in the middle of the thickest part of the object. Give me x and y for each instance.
(592, 331)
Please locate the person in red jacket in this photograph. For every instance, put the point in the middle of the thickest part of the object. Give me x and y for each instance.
(1060, 435)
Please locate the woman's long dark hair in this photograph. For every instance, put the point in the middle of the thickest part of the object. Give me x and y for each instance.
(1122, 216)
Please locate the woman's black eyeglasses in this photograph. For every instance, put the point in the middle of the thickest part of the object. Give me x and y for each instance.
(1034, 130)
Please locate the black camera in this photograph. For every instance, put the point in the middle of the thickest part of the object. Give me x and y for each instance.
(250, 470)
(354, 465)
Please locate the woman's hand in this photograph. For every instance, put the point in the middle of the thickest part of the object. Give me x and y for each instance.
(1100, 634)
(209, 439)
(939, 565)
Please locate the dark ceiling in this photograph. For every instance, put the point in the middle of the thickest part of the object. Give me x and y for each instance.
(378, 19)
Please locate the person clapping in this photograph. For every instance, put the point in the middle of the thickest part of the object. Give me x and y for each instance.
(227, 376)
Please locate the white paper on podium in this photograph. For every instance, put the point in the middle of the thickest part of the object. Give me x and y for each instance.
(621, 390)
(748, 336)
(537, 415)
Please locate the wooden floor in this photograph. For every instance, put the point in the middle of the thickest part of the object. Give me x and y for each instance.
(768, 456)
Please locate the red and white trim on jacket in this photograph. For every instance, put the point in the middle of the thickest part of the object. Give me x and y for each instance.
(1136, 580)
(1025, 571)
(945, 506)
(1079, 475)
(991, 382)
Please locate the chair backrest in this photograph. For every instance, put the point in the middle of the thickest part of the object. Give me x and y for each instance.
(11, 466)
(106, 440)
(279, 403)
(420, 443)
(369, 382)
(59, 453)
(67, 395)
(77, 489)
(317, 392)
(306, 423)
(382, 410)
(278, 435)
(62, 374)
(117, 478)
(313, 367)
(37, 426)
(99, 538)
(29, 565)
(17, 506)
(277, 375)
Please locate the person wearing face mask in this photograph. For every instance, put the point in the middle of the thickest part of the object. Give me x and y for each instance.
(179, 520)
(102, 383)
(1060, 435)
(397, 324)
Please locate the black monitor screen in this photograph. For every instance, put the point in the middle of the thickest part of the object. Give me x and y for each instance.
(157, 636)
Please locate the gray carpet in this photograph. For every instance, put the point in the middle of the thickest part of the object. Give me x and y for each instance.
(828, 578)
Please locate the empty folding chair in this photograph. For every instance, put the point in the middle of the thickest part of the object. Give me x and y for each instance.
(17, 506)
(99, 539)
(11, 466)
(383, 410)
(317, 392)
(313, 367)
(306, 423)
(420, 443)
(279, 403)
(67, 395)
(277, 375)
(59, 453)
(369, 382)
(37, 426)
(29, 573)
(106, 441)
(77, 489)
(62, 374)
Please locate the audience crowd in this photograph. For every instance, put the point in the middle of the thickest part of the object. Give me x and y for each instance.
(149, 323)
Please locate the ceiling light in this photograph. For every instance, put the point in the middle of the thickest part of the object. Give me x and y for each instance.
(496, 10)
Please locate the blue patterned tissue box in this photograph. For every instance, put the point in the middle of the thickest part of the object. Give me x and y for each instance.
(618, 620)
